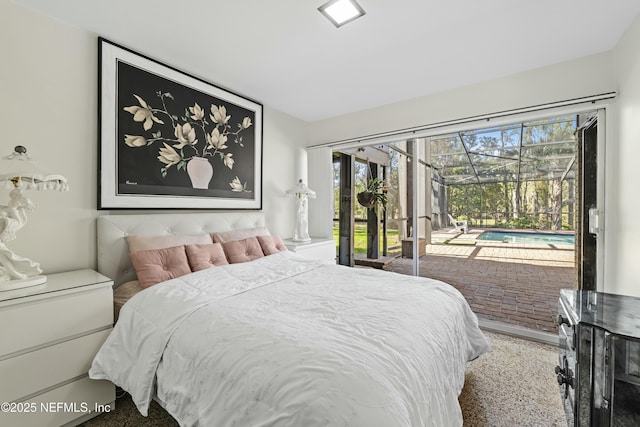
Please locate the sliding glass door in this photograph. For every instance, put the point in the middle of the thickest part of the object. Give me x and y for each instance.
(538, 176)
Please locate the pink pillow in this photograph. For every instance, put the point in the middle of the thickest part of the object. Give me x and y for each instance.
(230, 236)
(158, 265)
(146, 243)
(243, 250)
(202, 257)
(271, 244)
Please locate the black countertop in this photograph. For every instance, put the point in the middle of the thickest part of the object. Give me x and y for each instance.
(618, 314)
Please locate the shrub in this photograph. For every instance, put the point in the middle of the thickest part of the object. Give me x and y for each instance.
(523, 222)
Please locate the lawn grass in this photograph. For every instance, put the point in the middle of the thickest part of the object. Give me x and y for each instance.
(360, 239)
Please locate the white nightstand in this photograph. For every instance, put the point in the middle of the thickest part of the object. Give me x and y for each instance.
(49, 335)
(317, 248)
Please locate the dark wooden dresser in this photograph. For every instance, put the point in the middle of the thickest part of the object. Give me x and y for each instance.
(599, 358)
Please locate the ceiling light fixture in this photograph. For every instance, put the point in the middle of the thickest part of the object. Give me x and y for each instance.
(341, 12)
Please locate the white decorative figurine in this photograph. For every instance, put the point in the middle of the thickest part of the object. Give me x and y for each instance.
(302, 193)
(19, 173)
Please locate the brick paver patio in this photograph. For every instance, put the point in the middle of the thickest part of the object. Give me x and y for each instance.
(513, 283)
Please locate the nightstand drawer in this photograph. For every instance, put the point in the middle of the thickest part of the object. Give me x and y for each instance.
(80, 397)
(31, 372)
(316, 248)
(326, 252)
(36, 322)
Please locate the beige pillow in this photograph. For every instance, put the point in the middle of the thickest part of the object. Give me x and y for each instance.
(242, 250)
(146, 243)
(271, 244)
(202, 257)
(158, 265)
(230, 236)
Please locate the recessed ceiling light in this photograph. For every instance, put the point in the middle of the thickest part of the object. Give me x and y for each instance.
(341, 12)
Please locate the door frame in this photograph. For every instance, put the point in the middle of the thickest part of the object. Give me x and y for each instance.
(600, 241)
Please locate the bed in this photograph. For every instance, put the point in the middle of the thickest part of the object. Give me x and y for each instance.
(282, 340)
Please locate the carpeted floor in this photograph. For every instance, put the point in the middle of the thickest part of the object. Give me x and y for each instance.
(513, 385)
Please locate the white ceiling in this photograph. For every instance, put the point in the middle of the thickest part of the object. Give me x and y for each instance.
(285, 54)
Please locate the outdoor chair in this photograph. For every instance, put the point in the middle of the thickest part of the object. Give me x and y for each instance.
(459, 224)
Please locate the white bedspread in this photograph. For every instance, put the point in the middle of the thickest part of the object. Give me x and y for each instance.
(287, 341)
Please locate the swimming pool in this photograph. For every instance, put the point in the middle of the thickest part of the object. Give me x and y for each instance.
(521, 237)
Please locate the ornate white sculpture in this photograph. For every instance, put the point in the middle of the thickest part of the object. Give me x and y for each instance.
(302, 193)
(19, 173)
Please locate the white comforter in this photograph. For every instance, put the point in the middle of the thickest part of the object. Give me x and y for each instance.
(287, 341)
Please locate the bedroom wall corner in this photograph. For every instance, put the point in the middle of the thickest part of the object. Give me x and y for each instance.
(284, 162)
(622, 270)
(48, 83)
(321, 181)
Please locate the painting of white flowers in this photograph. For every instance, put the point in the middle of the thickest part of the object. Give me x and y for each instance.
(170, 140)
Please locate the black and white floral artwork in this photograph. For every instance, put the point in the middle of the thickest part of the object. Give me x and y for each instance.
(170, 140)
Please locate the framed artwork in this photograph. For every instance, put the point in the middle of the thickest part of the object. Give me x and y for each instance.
(169, 140)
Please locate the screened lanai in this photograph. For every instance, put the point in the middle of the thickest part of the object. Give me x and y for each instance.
(520, 176)
(514, 176)
(484, 173)
(530, 151)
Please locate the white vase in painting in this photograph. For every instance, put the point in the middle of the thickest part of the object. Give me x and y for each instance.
(200, 172)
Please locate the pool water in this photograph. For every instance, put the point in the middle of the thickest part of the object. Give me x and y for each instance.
(519, 237)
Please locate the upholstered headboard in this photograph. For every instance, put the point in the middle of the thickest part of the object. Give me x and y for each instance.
(113, 250)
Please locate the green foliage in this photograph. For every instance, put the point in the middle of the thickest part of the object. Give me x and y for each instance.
(375, 192)
(360, 239)
(495, 154)
(541, 204)
(522, 223)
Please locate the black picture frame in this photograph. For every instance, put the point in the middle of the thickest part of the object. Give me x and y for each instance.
(169, 140)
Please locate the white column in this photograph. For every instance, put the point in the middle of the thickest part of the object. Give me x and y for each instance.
(320, 171)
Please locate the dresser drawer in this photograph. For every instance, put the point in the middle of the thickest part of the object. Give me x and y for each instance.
(41, 321)
(31, 372)
(63, 405)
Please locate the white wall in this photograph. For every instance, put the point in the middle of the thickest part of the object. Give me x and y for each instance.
(48, 102)
(48, 83)
(285, 161)
(623, 196)
(586, 76)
